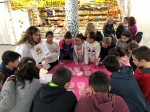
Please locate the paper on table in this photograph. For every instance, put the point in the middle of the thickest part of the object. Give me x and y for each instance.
(39, 52)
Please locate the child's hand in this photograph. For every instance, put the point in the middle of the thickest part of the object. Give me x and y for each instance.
(97, 59)
(39, 66)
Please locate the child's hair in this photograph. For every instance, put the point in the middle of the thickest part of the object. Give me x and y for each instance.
(92, 35)
(68, 35)
(27, 37)
(111, 63)
(126, 18)
(91, 27)
(132, 45)
(131, 21)
(142, 52)
(80, 36)
(61, 76)
(49, 33)
(1, 77)
(27, 71)
(107, 40)
(99, 82)
(127, 34)
(117, 51)
(10, 56)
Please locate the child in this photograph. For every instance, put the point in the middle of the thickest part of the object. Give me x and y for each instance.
(125, 39)
(91, 49)
(123, 83)
(10, 61)
(51, 59)
(130, 47)
(1, 80)
(141, 58)
(19, 90)
(90, 27)
(106, 44)
(66, 46)
(54, 97)
(78, 54)
(119, 53)
(100, 100)
(122, 27)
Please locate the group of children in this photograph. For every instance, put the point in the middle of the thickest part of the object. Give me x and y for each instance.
(124, 92)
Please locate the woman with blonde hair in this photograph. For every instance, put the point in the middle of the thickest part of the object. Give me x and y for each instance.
(106, 44)
(90, 27)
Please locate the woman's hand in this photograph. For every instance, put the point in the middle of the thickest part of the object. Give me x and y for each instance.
(39, 66)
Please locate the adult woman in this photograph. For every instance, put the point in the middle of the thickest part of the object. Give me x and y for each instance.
(108, 29)
(132, 26)
(28, 41)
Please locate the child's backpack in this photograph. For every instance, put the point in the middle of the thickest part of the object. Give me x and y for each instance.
(138, 37)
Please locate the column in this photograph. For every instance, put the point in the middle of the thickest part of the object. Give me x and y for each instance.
(71, 7)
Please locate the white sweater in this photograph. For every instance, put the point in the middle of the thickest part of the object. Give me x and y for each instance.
(54, 50)
(92, 51)
(24, 50)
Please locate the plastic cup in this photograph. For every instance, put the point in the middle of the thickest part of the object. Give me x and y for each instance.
(71, 86)
(81, 85)
(87, 73)
(86, 68)
(79, 74)
(77, 69)
(82, 93)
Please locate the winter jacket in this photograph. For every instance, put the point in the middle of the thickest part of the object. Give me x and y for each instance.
(133, 30)
(125, 85)
(54, 99)
(143, 79)
(120, 29)
(108, 30)
(7, 72)
(101, 102)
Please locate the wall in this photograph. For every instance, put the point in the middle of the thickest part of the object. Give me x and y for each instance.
(140, 10)
(20, 21)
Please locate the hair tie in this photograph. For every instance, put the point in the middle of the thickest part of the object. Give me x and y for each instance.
(29, 61)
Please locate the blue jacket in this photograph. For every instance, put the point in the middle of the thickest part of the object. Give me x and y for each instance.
(124, 84)
(6, 72)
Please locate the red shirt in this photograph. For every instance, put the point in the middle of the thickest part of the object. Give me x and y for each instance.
(143, 79)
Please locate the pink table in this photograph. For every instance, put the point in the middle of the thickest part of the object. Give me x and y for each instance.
(75, 80)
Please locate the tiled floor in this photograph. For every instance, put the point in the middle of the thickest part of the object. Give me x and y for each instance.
(10, 47)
